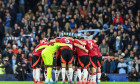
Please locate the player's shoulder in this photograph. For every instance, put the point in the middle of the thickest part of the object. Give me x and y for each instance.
(84, 40)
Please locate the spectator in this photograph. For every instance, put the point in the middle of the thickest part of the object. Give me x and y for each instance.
(133, 75)
(7, 66)
(9, 54)
(137, 65)
(104, 77)
(14, 61)
(88, 36)
(130, 65)
(29, 14)
(22, 6)
(109, 66)
(122, 66)
(15, 50)
(118, 44)
(1, 31)
(54, 6)
(126, 25)
(8, 24)
(125, 40)
(21, 72)
(72, 23)
(136, 45)
(118, 19)
(104, 48)
(2, 70)
(116, 60)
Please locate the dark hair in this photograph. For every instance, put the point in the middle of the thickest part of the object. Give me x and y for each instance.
(65, 36)
(74, 37)
(50, 38)
(81, 38)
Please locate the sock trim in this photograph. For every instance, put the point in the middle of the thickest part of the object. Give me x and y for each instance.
(94, 73)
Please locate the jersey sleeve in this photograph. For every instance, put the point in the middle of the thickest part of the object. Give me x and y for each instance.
(57, 40)
(95, 45)
(76, 41)
(99, 53)
(88, 45)
(62, 44)
(41, 47)
(50, 43)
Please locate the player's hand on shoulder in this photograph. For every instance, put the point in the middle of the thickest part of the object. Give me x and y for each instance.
(70, 46)
(35, 50)
(86, 50)
(91, 47)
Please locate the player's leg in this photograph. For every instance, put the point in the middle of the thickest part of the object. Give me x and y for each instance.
(93, 61)
(79, 74)
(48, 61)
(45, 72)
(93, 75)
(80, 65)
(98, 75)
(34, 75)
(99, 70)
(85, 60)
(58, 70)
(70, 60)
(90, 74)
(63, 64)
(67, 72)
(75, 68)
(63, 71)
(36, 68)
(57, 73)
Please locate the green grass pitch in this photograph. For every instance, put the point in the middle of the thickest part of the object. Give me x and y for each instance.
(31, 82)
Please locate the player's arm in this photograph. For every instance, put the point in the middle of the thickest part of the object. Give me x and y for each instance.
(95, 41)
(89, 45)
(79, 42)
(81, 47)
(69, 38)
(41, 47)
(95, 45)
(63, 44)
(50, 43)
(55, 40)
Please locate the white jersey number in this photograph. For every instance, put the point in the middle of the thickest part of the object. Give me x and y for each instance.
(67, 40)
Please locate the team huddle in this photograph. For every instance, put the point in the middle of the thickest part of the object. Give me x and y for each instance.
(78, 57)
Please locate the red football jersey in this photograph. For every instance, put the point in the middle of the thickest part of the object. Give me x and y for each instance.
(38, 53)
(92, 52)
(74, 51)
(58, 53)
(96, 49)
(99, 53)
(65, 40)
(81, 52)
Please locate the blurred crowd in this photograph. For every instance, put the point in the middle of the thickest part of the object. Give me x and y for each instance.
(24, 22)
